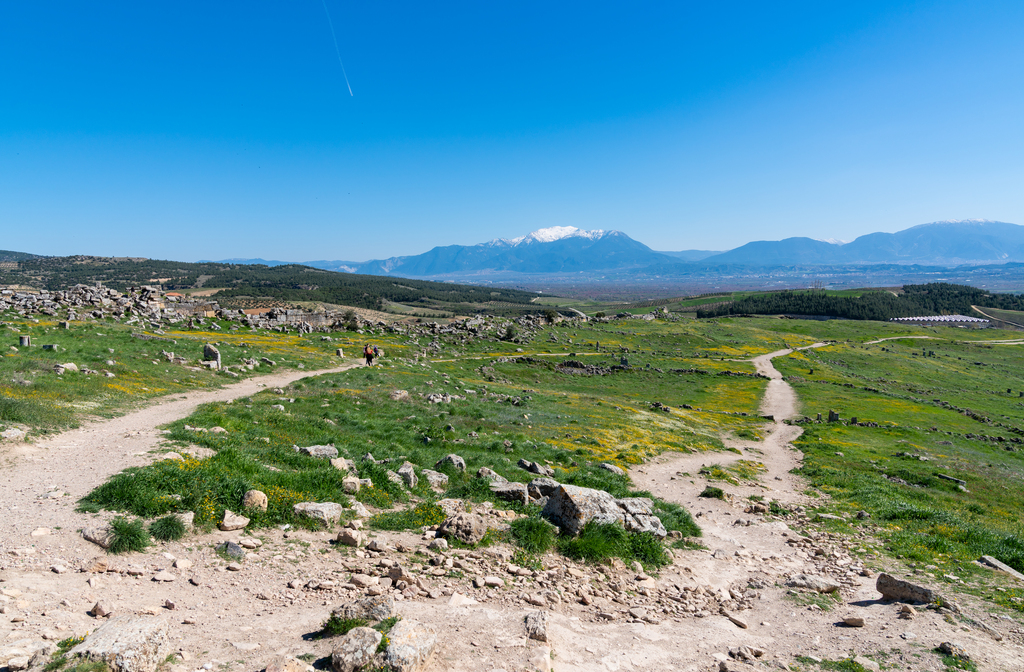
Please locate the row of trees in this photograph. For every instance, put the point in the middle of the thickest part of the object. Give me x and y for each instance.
(938, 298)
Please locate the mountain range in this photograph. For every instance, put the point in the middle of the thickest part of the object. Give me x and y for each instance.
(566, 249)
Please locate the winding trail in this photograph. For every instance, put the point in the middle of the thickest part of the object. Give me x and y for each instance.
(247, 617)
(102, 448)
(900, 338)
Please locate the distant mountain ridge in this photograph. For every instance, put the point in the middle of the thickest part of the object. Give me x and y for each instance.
(567, 249)
(946, 243)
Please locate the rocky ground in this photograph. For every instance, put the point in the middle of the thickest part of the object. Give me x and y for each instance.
(751, 598)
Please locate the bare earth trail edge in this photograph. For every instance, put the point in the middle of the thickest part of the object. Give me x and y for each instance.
(220, 618)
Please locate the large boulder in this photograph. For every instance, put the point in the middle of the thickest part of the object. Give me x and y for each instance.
(571, 507)
(468, 528)
(410, 646)
(371, 609)
(211, 354)
(355, 650)
(510, 491)
(127, 644)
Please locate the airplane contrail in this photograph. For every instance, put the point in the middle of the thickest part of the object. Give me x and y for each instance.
(336, 49)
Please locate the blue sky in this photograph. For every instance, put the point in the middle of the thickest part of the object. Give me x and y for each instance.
(211, 130)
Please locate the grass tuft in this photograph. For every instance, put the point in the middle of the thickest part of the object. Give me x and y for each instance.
(130, 536)
(596, 542)
(534, 535)
(408, 519)
(168, 528)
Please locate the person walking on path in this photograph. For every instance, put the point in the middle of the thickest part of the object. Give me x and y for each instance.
(368, 354)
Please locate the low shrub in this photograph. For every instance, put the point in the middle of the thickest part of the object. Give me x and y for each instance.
(129, 536)
(168, 528)
(712, 493)
(335, 626)
(676, 518)
(648, 550)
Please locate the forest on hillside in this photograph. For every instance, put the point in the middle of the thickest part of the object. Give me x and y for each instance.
(284, 283)
(937, 298)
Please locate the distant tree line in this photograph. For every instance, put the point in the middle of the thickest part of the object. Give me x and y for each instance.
(937, 298)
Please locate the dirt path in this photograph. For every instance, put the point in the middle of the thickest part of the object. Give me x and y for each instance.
(996, 319)
(97, 450)
(900, 338)
(242, 621)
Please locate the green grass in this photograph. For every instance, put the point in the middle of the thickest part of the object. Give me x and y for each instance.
(384, 627)
(534, 535)
(846, 665)
(745, 470)
(59, 658)
(418, 516)
(33, 396)
(528, 408)
(167, 528)
(826, 601)
(130, 536)
(335, 626)
(957, 663)
(711, 492)
(598, 542)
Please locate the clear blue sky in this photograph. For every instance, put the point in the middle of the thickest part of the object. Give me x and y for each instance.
(183, 130)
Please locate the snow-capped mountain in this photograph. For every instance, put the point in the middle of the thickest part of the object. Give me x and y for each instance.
(567, 249)
(551, 234)
(557, 249)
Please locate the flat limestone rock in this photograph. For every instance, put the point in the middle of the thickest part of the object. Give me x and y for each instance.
(328, 452)
(328, 512)
(816, 583)
(233, 521)
(101, 536)
(892, 588)
(127, 644)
